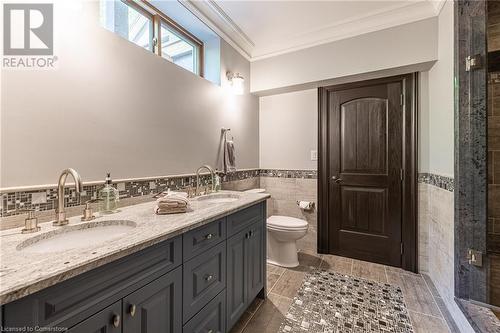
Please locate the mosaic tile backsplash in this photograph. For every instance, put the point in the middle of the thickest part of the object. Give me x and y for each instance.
(446, 183)
(312, 174)
(46, 199)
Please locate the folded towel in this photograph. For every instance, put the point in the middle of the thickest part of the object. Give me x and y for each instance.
(171, 203)
(159, 211)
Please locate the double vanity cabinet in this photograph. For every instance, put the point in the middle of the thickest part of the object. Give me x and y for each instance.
(200, 281)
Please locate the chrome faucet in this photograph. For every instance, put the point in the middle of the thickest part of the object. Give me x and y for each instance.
(212, 175)
(60, 213)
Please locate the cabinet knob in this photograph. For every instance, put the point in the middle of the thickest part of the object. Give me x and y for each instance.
(247, 235)
(132, 310)
(250, 234)
(116, 321)
(209, 236)
(209, 277)
(210, 331)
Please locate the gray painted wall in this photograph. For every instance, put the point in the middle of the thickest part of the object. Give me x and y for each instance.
(112, 106)
(289, 144)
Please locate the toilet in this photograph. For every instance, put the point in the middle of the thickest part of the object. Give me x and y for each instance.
(282, 235)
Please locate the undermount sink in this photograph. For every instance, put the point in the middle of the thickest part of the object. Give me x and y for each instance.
(219, 198)
(77, 236)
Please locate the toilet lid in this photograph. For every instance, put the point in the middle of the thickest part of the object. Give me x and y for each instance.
(256, 190)
(286, 222)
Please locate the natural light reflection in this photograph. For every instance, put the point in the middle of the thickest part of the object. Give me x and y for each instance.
(177, 50)
(127, 22)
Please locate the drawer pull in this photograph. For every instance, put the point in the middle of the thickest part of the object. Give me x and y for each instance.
(116, 321)
(209, 277)
(209, 236)
(210, 331)
(132, 310)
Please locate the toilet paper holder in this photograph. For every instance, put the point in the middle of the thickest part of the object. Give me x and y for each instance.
(306, 205)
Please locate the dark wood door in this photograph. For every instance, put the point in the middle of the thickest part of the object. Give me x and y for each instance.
(365, 172)
(105, 321)
(156, 307)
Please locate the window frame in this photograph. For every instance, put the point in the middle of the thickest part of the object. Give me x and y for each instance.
(149, 15)
(158, 19)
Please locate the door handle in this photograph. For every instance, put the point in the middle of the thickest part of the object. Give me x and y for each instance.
(336, 179)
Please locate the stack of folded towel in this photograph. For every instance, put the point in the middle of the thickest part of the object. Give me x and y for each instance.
(171, 203)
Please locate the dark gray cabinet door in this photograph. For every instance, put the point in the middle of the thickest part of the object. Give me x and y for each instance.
(203, 278)
(255, 244)
(237, 275)
(241, 220)
(105, 321)
(156, 307)
(72, 301)
(212, 318)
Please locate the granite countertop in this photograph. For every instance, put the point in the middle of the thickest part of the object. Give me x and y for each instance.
(23, 272)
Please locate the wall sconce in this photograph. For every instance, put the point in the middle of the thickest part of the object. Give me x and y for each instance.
(237, 82)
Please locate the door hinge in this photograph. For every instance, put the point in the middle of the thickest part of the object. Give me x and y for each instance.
(473, 62)
(402, 248)
(475, 257)
(402, 174)
(402, 99)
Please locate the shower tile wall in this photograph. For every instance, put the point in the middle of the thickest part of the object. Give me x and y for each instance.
(494, 156)
(423, 227)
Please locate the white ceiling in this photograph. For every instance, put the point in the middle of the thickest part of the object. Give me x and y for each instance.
(261, 29)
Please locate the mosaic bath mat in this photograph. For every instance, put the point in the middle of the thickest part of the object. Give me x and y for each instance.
(329, 302)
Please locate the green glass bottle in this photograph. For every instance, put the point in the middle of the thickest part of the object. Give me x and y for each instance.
(109, 197)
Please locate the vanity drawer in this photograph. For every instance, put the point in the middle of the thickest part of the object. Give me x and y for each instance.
(211, 318)
(197, 241)
(242, 219)
(74, 300)
(204, 277)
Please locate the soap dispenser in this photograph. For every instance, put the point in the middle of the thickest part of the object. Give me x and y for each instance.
(108, 196)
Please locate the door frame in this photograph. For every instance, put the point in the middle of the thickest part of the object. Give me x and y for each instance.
(409, 227)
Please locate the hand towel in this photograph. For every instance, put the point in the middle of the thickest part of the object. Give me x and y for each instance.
(229, 157)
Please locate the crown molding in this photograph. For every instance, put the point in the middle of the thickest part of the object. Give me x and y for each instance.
(370, 22)
(218, 20)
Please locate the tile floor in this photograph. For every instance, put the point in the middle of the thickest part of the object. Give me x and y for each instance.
(426, 308)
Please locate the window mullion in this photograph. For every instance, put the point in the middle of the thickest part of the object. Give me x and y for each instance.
(157, 34)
